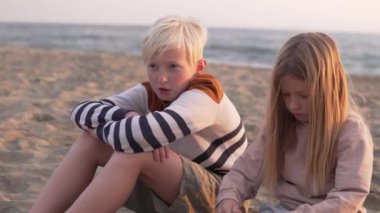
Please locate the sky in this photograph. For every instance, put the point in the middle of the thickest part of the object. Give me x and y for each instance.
(360, 16)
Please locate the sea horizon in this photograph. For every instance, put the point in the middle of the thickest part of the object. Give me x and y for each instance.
(232, 46)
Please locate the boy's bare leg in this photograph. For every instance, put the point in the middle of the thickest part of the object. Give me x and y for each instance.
(73, 174)
(113, 185)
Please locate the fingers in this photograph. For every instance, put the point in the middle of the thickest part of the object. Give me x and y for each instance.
(228, 206)
(156, 154)
(236, 209)
(167, 151)
(161, 154)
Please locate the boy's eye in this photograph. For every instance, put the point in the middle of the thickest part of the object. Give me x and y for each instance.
(152, 67)
(173, 67)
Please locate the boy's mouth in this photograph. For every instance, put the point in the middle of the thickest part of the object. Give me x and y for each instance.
(163, 89)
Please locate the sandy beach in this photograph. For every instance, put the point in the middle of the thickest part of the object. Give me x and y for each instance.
(39, 87)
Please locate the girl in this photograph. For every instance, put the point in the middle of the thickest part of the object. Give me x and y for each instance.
(314, 153)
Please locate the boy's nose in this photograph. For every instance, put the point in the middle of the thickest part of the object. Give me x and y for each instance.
(162, 78)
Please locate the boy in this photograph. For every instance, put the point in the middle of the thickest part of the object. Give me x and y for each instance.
(180, 115)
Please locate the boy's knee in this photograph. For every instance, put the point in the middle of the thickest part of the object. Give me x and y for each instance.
(139, 161)
(123, 160)
(86, 141)
(88, 145)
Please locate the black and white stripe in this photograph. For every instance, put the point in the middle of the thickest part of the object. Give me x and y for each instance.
(144, 132)
(221, 149)
(89, 114)
(216, 135)
(216, 143)
(228, 152)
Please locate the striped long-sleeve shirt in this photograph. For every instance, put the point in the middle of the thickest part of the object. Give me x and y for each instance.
(202, 124)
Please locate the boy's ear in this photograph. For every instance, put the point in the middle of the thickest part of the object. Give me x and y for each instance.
(201, 65)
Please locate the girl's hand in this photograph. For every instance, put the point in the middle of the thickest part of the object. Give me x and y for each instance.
(161, 154)
(228, 206)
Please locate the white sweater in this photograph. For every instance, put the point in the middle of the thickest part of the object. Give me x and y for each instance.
(202, 124)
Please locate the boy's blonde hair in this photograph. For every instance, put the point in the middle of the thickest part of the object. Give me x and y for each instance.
(313, 57)
(171, 32)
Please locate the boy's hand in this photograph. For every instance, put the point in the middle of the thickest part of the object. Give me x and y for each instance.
(131, 114)
(228, 206)
(161, 154)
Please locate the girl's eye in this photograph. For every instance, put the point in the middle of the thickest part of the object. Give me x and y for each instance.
(285, 95)
(304, 96)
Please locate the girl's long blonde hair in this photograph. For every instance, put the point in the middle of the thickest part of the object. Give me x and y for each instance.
(313, 57)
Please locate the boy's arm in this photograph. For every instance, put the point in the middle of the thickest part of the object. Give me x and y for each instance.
(89, 114)
(192, 111)
(159, 154)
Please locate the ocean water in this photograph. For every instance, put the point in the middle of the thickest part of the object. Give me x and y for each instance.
(248, 47)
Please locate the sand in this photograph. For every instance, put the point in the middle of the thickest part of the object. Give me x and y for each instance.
(39, 87)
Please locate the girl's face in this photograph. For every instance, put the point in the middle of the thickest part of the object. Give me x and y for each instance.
(296, 97)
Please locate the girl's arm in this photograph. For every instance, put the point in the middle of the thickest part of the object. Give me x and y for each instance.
(353, 172)
(245, 176)
(228, 205)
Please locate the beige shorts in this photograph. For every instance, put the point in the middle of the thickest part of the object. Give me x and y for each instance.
(198, 191)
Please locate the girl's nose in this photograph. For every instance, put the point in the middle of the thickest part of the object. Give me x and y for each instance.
(294, 104)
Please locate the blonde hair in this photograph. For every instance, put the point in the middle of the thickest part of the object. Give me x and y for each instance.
(171, 32)
(313, 57)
